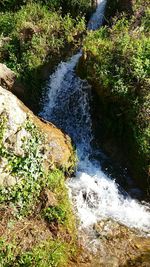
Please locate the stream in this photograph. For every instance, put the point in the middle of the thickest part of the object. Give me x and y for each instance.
(94, 194)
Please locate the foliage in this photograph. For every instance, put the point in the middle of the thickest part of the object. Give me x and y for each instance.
(33, 37)
(24, 197)
(48, 253)
(52, 252)
(3, 127)
(53, 214)
(28, 169)
(73, 7)
(116, 61)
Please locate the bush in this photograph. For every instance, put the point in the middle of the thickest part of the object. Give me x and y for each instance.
(33, 37)
(74, 7)
(116, 61)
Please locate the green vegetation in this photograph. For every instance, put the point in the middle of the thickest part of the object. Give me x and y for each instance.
(49, 253)
(116, 62)
(52, 251)
(33, 40)
(117, 7)
(29, 166)
(34, 37)
(73, 7)
(19, 205)
(37, 224)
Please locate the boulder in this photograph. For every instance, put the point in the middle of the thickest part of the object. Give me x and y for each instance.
(55, 149)
(9, 81)
(7, 77)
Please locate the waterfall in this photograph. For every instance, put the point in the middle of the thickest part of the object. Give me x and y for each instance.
(97, 18)
(95, 196)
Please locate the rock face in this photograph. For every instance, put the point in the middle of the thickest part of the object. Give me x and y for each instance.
(111, 244)
(56, 148)
(9, 81)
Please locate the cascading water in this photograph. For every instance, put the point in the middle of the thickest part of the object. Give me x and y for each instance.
(95, 196)
(98, 17)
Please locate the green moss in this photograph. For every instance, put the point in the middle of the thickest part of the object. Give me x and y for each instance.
(62, 213)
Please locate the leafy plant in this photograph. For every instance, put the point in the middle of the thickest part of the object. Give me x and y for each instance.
(54, 214)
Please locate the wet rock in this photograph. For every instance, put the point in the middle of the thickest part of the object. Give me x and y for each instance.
(121, 246)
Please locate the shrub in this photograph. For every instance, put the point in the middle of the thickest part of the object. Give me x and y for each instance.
(116, 61)
(33, 37)
(74, 7)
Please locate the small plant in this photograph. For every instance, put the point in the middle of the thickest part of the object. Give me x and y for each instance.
(3, 127)
(28, 170)
(48, 253)
(54, 214)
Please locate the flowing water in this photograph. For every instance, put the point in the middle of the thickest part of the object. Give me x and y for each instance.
(95, 196)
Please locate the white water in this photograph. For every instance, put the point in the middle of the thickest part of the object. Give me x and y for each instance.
(95, 196)
(98, 17)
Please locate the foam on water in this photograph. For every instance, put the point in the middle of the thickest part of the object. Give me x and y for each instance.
(95, 196)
